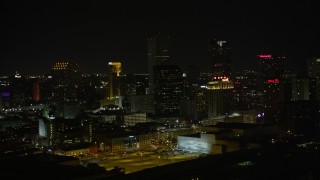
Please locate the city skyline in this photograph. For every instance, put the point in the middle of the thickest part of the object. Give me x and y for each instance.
(97, 90)
(37, 35)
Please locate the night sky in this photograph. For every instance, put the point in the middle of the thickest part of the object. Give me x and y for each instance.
(34, 35)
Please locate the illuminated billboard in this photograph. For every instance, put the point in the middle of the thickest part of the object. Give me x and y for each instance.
(194, 144)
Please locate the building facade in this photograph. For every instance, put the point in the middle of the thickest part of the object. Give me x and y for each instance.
(220, 57)
(220, 86)
(66, 79)
(158, 54)
(168, 90)
(219, 93)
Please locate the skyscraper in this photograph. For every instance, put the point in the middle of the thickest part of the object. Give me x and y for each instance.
(271, 67)
(114, 70)
(168, 89)
(271, 71)
(158, 54)
(299, 110)
(220, 87)
(219, 97)
(220, 57)
(47, 130)
(19, 86)
(303, 89)
(313, 70)
(35, 92)
(66, 79)
(113, 85)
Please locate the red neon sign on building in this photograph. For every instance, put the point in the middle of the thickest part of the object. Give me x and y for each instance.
(264, 56)
(273, 80)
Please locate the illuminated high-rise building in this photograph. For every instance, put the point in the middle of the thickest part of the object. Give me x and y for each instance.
(47, 131)
(246, 95)
(114, 95)
(114, 70)
(271, 71)
(220, 57)
(158, 54)
(88, 130)
(220, 96)
(66, 79)
(168, 90)
(220, 87)
(271, 67)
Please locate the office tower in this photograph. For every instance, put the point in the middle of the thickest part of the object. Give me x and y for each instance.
(194, 109)
(168, 90)
(114, 70)
(194, 94)
(18, 89)
(135, 84)
(46, 87)
(114, 95)
(271, 67)
(313, 71)
(286, 86)
(246, 92)
(136, 94)
(65, 80)
(299, 113)
(188, 109)
(313, 67)
(142, 103)
(297, 88)
(303, 89)
(193, 75)
(47, 131)
(158, 54)
(271, 71)
(220, 86)
(201, 103)
(88, 125)
(220, 57)
(35, 92)
(219, 92)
